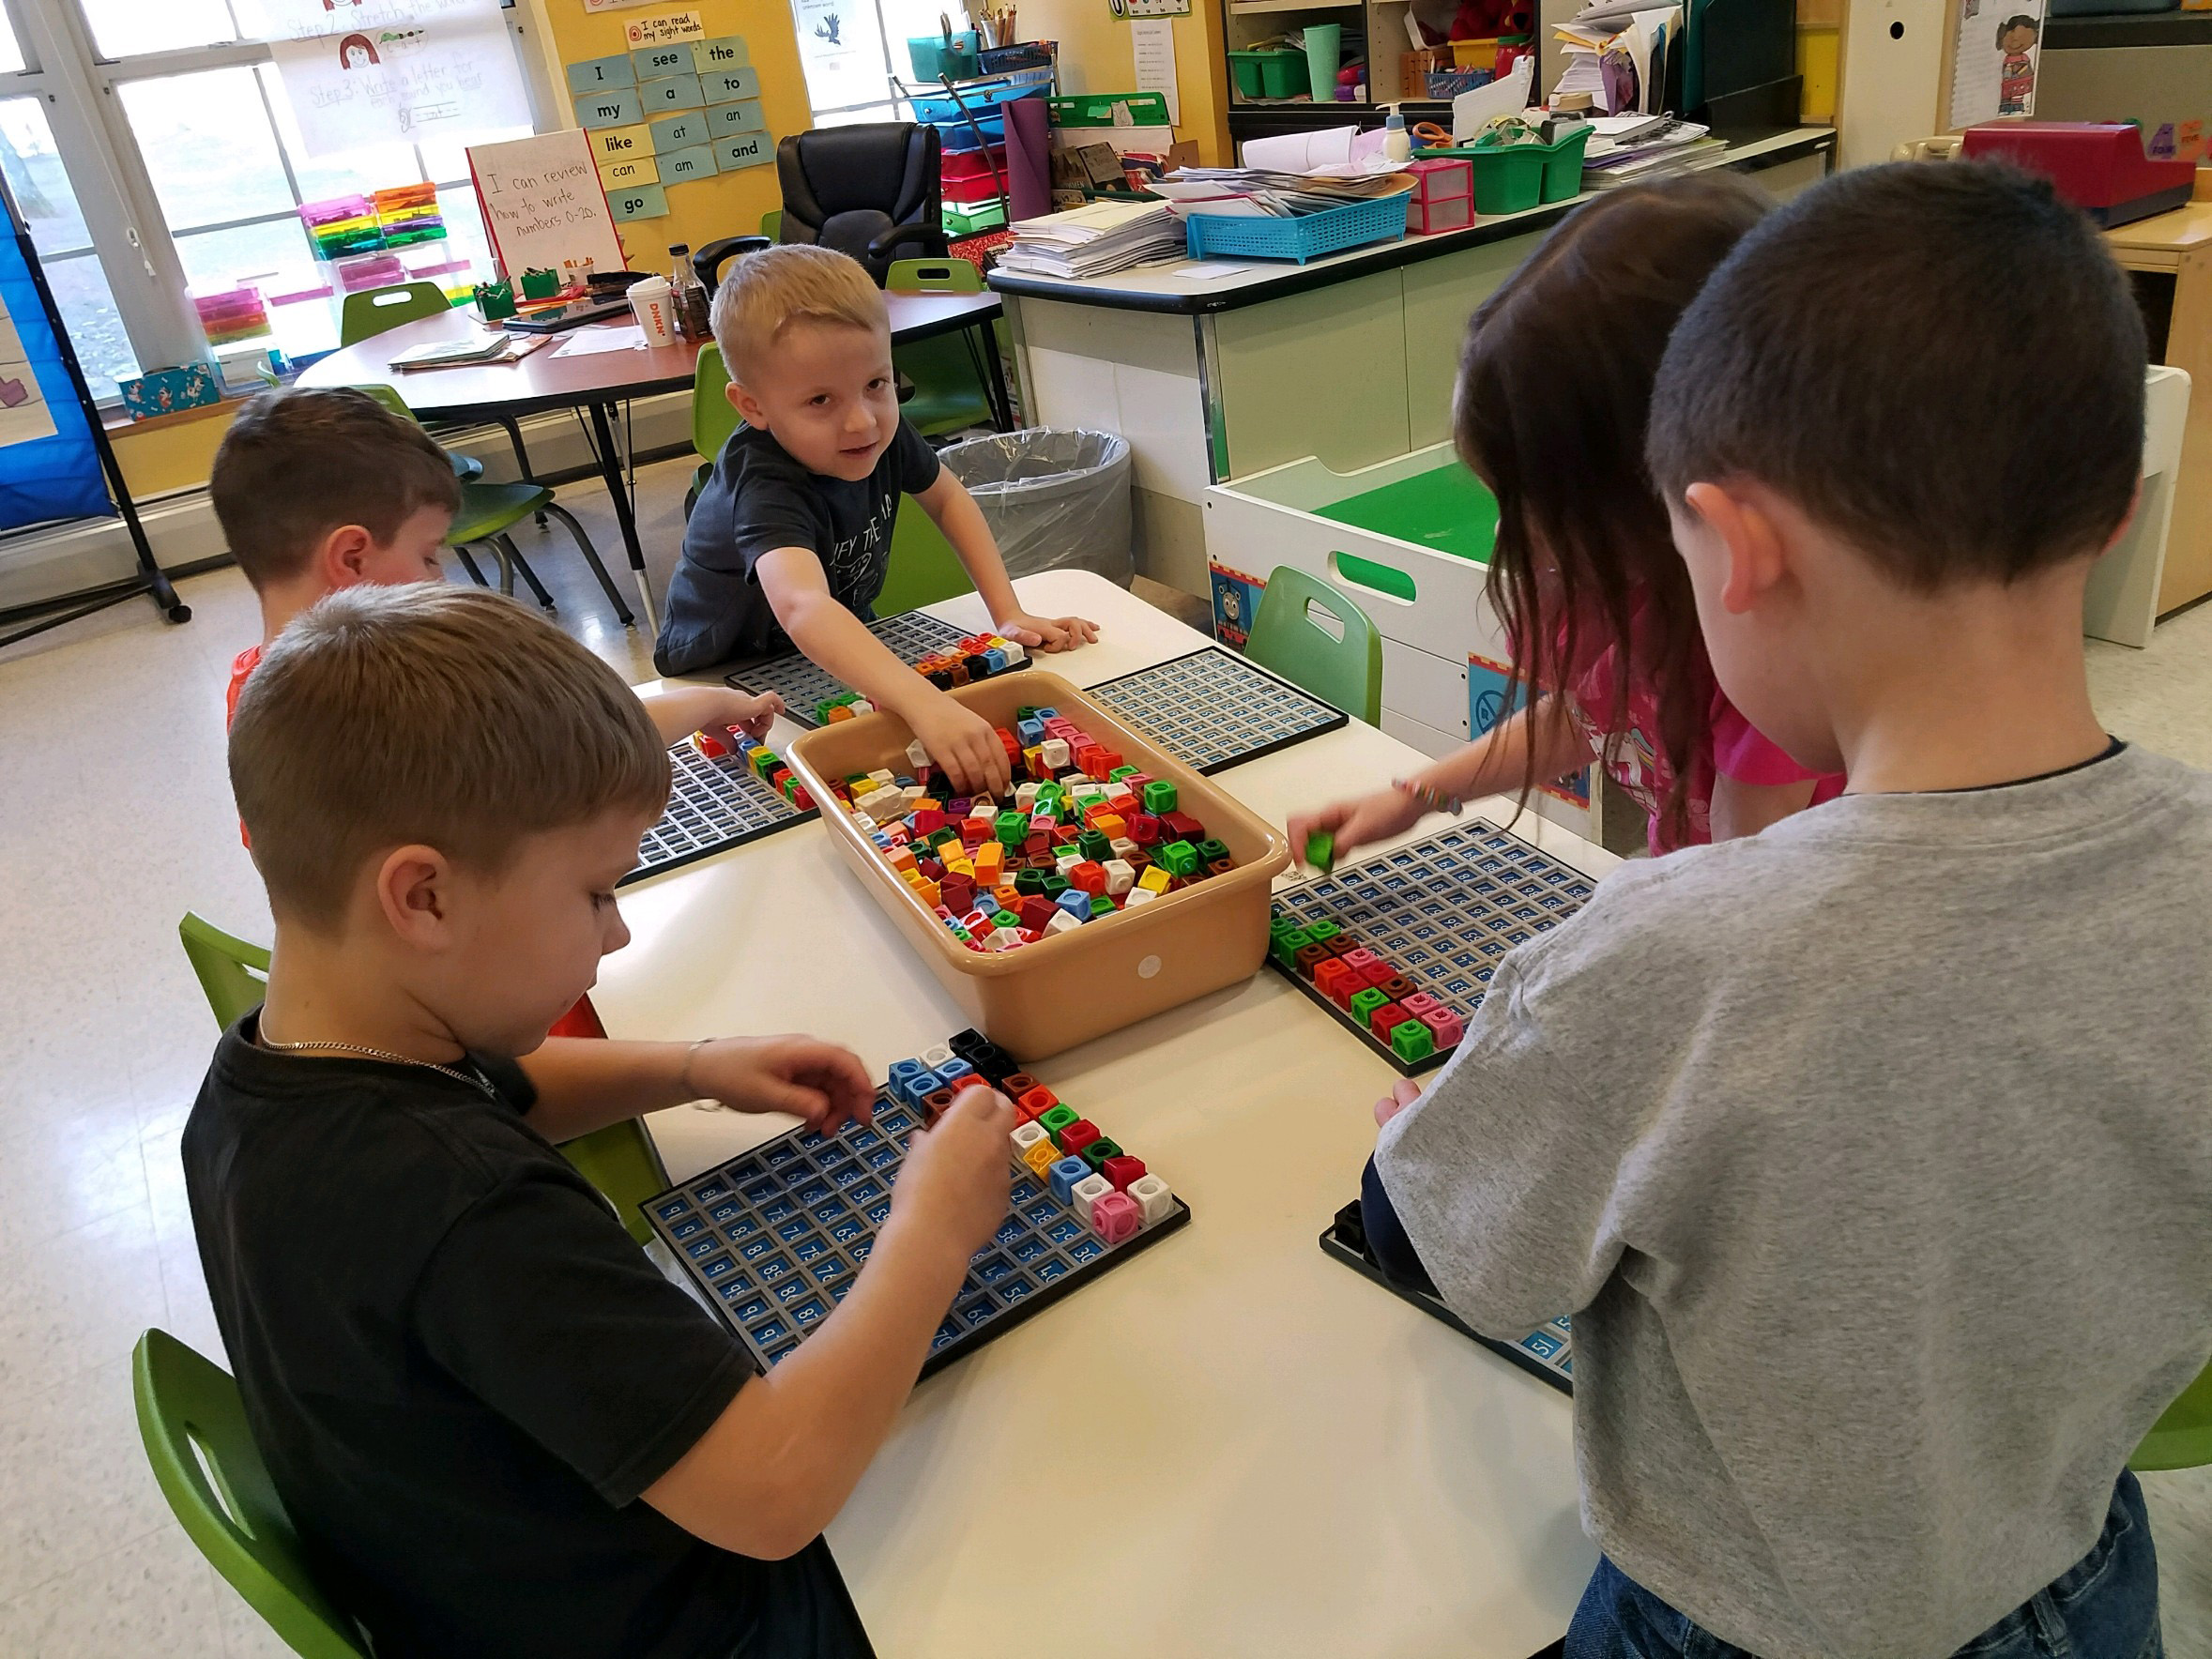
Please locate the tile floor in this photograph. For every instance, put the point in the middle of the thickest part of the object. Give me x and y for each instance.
(116, 820)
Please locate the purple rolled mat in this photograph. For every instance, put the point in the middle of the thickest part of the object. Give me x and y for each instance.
(1028, 158)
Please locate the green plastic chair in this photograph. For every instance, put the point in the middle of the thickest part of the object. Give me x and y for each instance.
(2182, 1436)
(771, 224)
(373, 311)
(923, 567)
(949, 386)
(712, 418)
(488, 511)
(619, 1160)
(467, 468)
(193, 1426)
(1312, 635)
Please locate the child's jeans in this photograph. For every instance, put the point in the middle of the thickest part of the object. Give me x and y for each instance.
(2104, 1606)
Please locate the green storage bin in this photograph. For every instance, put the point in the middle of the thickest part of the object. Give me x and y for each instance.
(1562, 166)
(1278, 73)
(1513, 178)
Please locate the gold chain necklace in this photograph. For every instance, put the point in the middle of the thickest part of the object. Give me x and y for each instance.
(365, 1052)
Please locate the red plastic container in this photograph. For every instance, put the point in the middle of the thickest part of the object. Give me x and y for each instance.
(1443, 198)
(2098, 166)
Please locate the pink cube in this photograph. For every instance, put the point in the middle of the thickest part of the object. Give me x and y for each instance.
(1445, 1026)
(1116, 1216)
(1421, 1005)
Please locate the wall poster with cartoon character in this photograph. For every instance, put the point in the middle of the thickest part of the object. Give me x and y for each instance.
(1997, 52)
(453, 77)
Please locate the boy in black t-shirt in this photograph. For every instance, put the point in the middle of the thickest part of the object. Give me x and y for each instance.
(497, 1429)
(791, 536)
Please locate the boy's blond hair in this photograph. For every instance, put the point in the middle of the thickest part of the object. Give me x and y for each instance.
(765, 293)
(296, 465)
(447, 716)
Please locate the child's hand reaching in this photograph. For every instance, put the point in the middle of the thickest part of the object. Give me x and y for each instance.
(818, 1081)
(958, 1180)
(1047, 633)
(1403, 1093)
(1355, 823)
(748, 713)
(963, 742)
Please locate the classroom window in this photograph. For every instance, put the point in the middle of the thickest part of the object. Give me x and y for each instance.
(207, 136)
(854, 52)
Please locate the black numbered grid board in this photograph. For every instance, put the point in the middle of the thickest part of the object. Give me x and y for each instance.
(1545, 1352)
(1213, 709)
(712, 805)
(775, 1239)
(1443, 910)
(912, 636)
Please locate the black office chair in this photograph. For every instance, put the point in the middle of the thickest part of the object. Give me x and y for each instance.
(871, 191)
(713, 259)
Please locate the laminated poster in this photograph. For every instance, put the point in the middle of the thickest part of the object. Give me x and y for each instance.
(1999, 49)
(24, 415)
(385, 85)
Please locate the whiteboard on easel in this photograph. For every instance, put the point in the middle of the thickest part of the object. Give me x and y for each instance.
(543, 203)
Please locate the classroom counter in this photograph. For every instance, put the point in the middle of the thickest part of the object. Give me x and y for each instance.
(1350, 359)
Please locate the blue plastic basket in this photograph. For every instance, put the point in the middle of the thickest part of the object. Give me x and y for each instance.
(1309, 237)
(979, 100)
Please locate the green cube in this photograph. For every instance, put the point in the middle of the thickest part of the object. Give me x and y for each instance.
(1119, 772)
(764, 763)
(1211, 849)
(1098, 1151)
(1411, 1041)
(1055, 885)
(1178, 858)
(1013, 828)
(1057, 1119)
(1100, 906)
(1289, 945)
(1028, 882)
(1096, 845)
(1320, 933)
(939, 837)
(1006, 918)
(1159, 797)
(1365, 1003)
(1321, 851)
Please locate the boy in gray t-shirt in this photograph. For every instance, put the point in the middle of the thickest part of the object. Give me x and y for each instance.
(1872, 1155)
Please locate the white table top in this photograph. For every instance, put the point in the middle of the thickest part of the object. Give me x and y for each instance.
(1232, 1443)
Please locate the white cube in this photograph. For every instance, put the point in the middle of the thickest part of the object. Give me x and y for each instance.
(1056, 753)
(936, 1058)
(1025, 797)
(917, 756)
(1061, 922)
(1015, 651)
(1027, 1135)
(1005, 938)
(1119, 877)
(1151, 1196)
(1091, 1189)
(1139, 895)
(1123, 847)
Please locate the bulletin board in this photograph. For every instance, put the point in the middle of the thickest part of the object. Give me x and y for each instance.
(680, 107)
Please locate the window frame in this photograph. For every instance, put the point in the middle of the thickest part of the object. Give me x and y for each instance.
(129, 233)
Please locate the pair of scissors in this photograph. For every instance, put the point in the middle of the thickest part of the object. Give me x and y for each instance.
(1428, 135)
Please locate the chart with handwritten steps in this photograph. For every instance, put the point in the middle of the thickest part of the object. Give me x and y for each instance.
(669, 112)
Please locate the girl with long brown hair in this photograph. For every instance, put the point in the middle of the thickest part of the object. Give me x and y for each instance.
(1555, 386)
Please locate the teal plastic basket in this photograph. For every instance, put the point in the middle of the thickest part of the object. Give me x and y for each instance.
(1311, 235)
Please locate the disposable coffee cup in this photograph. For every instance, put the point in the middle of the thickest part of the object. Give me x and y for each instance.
(653, 303)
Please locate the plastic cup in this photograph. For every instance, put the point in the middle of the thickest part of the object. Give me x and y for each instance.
(1324, 43)
(651, 302)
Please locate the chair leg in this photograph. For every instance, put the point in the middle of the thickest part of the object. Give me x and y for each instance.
(468, 564)
(521, 456)
(511, 561)
(591, 557)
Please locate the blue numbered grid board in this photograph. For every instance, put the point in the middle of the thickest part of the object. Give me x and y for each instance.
(911, 636)
(1545, 1352)
(1443, 910)
(712, 805)
(775, 1238)
(1213, 709)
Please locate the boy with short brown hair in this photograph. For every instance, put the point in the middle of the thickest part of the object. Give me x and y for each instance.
(790, 537)
(497, 1429)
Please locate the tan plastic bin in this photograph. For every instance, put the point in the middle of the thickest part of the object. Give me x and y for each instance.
(1108, 973)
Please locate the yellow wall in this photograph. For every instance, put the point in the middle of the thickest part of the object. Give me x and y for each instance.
(1095, 55)
(731, 203)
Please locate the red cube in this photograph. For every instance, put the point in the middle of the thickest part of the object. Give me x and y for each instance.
(1089, 877)
(1121, 1170)
(1385, 1020)
(1075, 1136)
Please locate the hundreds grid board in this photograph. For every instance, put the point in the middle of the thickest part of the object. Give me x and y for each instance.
(776, 1238)
(1443, 910)
(911, 636)
(1545, 1352)
(712, 804)
(1212, 710)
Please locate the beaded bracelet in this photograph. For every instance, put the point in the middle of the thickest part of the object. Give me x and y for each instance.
(1431, 797)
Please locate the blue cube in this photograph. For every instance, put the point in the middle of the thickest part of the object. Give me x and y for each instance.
(1064, 1175)
(995, 660)
(1030, 732)
(1076, 903)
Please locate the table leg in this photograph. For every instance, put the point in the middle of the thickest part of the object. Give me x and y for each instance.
(994, 378)
(610, 467)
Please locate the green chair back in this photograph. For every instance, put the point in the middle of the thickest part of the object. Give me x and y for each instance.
(619, 1160)
(372, 310)
(2182, 1436)
(712, 418)
(923, 567)
(1312, 635)
(947, 390)
(193, 1426)
(771, 224)
(233, 974)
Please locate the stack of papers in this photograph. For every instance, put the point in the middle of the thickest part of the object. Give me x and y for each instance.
(1256, 192)
(474, 351)
(1094, 240)
(1632, 149)
(1617, 54)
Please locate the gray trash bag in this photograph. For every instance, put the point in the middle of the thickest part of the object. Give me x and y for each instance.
(1054, 500)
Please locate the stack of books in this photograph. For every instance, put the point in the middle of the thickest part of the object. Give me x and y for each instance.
(1265, 192)
(472, 351)
(1632, 149)
(1094, 240)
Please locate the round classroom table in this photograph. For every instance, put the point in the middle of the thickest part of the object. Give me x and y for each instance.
(595, 382)
(1230, 1444)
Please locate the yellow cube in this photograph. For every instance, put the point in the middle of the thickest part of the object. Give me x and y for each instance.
(1154, 880)
(1041, 1158)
